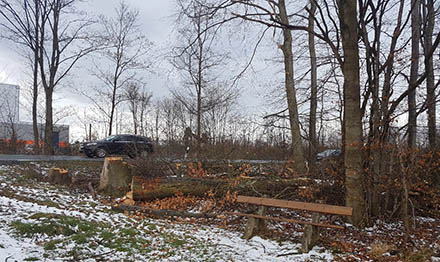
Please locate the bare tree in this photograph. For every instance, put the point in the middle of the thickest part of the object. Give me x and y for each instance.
(428, 30)
(274, 14)
(123, 58)
(352, 115)
(415, 41)
(313, 86)
(138, 100)
(8, 120)
(197, 60)
(22, 25)
(173, 116)
(60, 49)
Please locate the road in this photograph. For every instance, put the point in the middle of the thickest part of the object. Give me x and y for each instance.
(6, 159)
(33, 158)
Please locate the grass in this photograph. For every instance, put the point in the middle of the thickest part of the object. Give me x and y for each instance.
(65, 230)
(76, 239)
(419, 256)
(31, 259)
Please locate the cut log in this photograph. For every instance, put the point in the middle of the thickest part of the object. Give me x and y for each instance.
(146, 189)
(158, 188)
(115, 177)
(161, 212)
(60, 176)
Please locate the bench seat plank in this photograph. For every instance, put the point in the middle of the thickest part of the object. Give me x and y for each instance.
(285, 220)
(313, 207)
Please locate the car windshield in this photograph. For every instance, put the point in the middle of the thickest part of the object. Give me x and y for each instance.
(110, 138)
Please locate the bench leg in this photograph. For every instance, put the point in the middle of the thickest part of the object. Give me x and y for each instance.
(311, 234)
(254, 225)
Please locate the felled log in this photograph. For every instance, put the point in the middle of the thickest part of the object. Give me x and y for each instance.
(115, 177)
(146, 189)
(161, 212)
(157, 188)
(60, 176)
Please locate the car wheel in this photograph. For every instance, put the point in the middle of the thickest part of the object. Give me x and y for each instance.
(101, 153)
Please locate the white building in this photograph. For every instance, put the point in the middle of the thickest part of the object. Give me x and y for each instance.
(10, 122)
(9, 103)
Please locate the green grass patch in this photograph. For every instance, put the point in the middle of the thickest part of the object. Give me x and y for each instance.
(32, 259)
(55, 225)
(84, 236)
(52, 245)
(71, 230)
(419, 255)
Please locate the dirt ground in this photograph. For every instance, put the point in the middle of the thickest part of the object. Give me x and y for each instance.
(384, 240)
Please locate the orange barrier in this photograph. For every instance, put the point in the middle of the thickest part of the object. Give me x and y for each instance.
(31, 142)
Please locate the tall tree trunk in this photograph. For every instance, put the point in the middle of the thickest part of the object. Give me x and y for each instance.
(199, 85)
(313, 86)
(112, 112)
(49, 86)
(429, 67)
(352, 112)
(34, 105)
(412, 106)
(135, 121)
(199, 118)
(48, 130)
(298, 154)
(35, 80)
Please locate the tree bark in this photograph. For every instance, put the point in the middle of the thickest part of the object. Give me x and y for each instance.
(48, 130)
(112, 110)
(313, 87)
(352, 125)
(199, 84)
(158, 188)
(35, 80)
(146, 189)
(60, 176)
(412, 106)
(286, 47)
(115, 177)
(429, 67)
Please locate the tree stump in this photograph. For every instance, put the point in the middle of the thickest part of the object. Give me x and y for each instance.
(255, 226)
(60, 176)
(115, 177)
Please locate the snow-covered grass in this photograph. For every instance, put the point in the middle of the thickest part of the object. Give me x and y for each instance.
(43, 222)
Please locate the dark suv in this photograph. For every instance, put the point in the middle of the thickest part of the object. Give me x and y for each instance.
(131, 145)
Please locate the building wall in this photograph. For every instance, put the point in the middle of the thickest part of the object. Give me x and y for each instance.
(25, 132)
(9, 103)
(9, 119)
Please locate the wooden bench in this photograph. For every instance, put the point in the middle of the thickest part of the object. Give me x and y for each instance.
(255, 223)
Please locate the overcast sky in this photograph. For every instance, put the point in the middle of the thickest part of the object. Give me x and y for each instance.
(156, 21)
